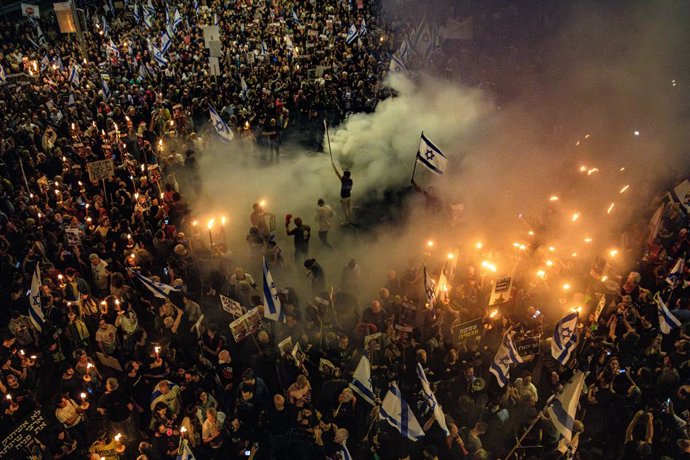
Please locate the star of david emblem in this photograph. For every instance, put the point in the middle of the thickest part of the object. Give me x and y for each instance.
(36, 301)
(219, 126)
(429, 154)
(566, 333)
(504, 361)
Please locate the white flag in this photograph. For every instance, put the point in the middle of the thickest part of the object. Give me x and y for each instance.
(564, 338)
(160, 290)
(505, 356)
(431, 399)
(352, 35)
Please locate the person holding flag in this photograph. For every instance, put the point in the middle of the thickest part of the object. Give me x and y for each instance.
(564, 338)
(505, 356)
(221, 127)
(667, 320)
(361, 381)
(273, 308)
(396, 411)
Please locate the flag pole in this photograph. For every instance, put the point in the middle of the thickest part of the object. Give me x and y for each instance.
(414, 169)
(524, 435)
(328, 138)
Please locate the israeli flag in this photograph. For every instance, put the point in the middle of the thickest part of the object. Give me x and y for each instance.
(177, 20)
(41, 38)
(3, 74)
(361, 381)
(505, 356)
(71, 100)
(74, 76)
(215, 19)
(113, 49)
(185, 452)
(264, 48)
(667, 320)
(564, 338)
(424, 39)
(676, 272)
(363, 29)
(137, 15)
(106, 91)
(429, 288)
(160, 290)
(431, 156)
(295, 18)
(273, 309)
(352, 35)
(106, 27)
(167, 13)
(344, 453)
(159, 57)
(222, 128)
(396, 411)
(243, 85)
(166, 42)
(35, 307)
(431, 399)
(563, 408)
(404, 50)
(60, 64)
(45, 62)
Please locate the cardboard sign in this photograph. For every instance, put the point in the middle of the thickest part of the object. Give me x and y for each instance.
(528, 347)
(245, 325)
(404, 333)
(285, 345)
(231, 306)
(24, 436)
(214, 66)
(211, 34)
(72, 237)
(215, 49)
(30, 11)
(373, 341)
(109, 361)
(408, 314)
(468, 330)
(100, 170)
(501, 291)
(298, 355)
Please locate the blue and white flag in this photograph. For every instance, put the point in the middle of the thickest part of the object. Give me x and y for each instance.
(106, 27)
(144, 71)
(344, 453)
(35, 308)
(404, 50)
(215, 19)
(158, 57)
(564, 338)
(429, 288)
(73, 76)
(563, 407)
(222, 128)
(273, 309)
(423, 39)
(166, 42)
(40, 37)
(363, 29)
(361, 381)
(676, 272)
(112, 49)
(71, 100)
(3, 74)
(106, 91)
(177, 19)
(431, 156)
(160, 290)
(295, 18)
(396, 411)
(60, 65)
(264, 49)
(167, 13)
(431, 399)
(185, 452)
(667, 320)
(45, 62)
(352, 35)
(137, 15)
(505, 356)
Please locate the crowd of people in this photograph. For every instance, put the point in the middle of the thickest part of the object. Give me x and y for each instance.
(114, 328)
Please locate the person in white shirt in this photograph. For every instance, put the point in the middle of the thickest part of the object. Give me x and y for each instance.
(524, 386)
(324, 213)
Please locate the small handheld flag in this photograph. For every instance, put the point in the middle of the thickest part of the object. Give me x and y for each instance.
(396, 411)
(505, 356)
(361, 381)
(667, 320)
(352, 35)
(35, 307)
(563, 408)
(273, 308)
(431, 399)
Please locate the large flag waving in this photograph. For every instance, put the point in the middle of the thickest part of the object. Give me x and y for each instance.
(160, 290)
(273, 309)
(35, 308)
(74, 76)
(361, 381)
(562, 408)
(431, 156)
(431, 399)
(667, 320)
(397, 65)
(564, 338)
(352, 34)
(505, 356)
(222, 128)
(396, 411)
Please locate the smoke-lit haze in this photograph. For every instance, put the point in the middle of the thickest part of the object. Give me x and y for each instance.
(606, 72)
